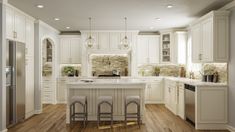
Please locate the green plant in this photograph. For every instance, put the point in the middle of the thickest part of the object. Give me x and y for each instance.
(68, 70)
(157, 70)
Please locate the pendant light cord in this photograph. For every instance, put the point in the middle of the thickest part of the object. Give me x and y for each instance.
(90, 25)
(125, 26)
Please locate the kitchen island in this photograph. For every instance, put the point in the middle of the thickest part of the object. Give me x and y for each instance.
(117, 88)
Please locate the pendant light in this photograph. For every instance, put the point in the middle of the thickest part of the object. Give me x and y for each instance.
(125, 43)
(90, 42)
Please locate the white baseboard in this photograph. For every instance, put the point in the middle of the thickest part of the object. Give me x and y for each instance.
(4, 130)
(29, 114)
(231, 128)
(38, 112)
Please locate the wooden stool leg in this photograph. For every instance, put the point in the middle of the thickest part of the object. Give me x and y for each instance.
(125, 114)
(98, 116)
(112, 115)
(138, 114)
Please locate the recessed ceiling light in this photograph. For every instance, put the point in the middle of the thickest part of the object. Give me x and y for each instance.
(169, 6)
(56, 19)
(67, 27)
(157, 19)
(40, 6)
(151, 28)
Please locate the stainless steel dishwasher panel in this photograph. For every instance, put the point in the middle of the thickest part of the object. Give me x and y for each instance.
(190, 103)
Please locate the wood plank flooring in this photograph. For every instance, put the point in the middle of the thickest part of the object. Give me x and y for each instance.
(159, 119)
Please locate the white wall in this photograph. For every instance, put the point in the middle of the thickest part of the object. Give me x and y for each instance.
(2, 67)
(232, 70)
(42, 31)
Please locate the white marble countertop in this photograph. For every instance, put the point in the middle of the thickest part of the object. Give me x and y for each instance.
(136, 80)
(107, 83)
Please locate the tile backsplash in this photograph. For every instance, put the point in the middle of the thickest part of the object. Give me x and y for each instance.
(174, 70)
(105, 64)
(164, 70)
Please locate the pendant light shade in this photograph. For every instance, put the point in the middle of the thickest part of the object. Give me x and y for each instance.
(90, 42)
(125, 42)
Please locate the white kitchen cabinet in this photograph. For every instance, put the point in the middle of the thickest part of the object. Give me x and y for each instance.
(70, 50)
(173, 46)
(103, 40)
(115, 40)
(61, 95)
(210, 37)
(211, 107)
(171, 95)
(142, 50)
(75, 50)
(10, 23)
(148, 49)
(29, 106)
(181, 104)
(65, 51)
(196, 41)
(180, 47)
(154, 93)
(15, 25)
(48, 92)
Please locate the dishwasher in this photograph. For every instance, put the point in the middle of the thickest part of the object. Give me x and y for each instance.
(190, 103)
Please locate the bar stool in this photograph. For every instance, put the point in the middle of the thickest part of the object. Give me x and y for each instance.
(105, 100)
(132, 100)
(82, 101)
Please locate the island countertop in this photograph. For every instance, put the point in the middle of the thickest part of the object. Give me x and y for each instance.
(106, 83)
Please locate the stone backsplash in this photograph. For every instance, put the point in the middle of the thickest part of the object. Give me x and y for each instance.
(164, 70)
(105, 64)
(174, 70)
(211, 68)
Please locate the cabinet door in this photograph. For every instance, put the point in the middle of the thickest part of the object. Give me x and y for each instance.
(196, 43)
(156, 92)
(20, 27)
(75, 50)
(61, 91)
(142, 50)
(9, 23)
(103, 41)
(29, 38)
(181, 103)
(65, 56)
(114, 41)
(207, 40)
(153, 49)
(147, 90)
(29, 107)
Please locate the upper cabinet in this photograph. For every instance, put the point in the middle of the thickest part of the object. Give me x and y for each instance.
(15, 25)
(107, 40)
(148, 49)
(173, 46)
(210, 37)
(70, 50)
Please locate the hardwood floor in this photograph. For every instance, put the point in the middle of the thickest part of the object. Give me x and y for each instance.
(159, 119)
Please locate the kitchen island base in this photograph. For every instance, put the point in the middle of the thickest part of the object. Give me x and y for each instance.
(118, 91)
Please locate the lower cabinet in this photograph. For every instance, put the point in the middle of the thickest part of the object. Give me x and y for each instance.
(171, 96)
(154, 93)
(61, 96)
(48, 96)
(181, 102)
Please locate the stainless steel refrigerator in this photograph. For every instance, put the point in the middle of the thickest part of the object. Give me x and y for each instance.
(15, 82)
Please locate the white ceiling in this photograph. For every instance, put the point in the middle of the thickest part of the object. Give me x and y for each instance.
(109, 14)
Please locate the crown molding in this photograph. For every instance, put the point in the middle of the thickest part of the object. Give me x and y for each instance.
(228, 6)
